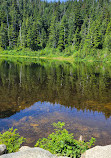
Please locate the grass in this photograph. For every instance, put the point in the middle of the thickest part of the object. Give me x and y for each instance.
(69, 55)
(42, 54)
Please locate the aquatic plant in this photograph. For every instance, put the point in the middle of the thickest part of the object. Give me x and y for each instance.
(61, 142)
(11, 139)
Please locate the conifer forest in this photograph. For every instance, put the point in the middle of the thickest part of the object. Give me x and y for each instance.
(82, 25)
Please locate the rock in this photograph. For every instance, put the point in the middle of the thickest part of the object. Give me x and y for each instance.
(27, 152)
(23, 148)
(98, 152)
(2, 149)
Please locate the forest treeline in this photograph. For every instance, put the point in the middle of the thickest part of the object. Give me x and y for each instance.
(83, 26)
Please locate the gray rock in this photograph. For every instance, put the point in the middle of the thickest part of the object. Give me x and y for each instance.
(2, 149)
(98, 152)
(30, 153)
(23, 148)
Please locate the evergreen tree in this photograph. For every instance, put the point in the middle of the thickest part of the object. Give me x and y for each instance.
(37, 24)
(3, 36)
(53, 35)
(107, 40)
(63, 33)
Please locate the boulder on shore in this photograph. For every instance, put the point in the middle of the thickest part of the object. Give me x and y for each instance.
(98, 152)
(2, 149)
(28, 152)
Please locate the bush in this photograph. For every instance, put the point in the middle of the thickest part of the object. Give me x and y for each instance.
(11, 139)
(62, 143)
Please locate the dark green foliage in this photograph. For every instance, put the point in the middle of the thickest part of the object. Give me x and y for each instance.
(85, 25)
(62, 143)
(107, 40)
(11, 139)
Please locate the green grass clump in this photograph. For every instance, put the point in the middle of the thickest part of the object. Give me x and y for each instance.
(62, 143)
(11, 139)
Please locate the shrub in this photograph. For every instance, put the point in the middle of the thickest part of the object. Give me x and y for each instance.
(11, 139)
(62, 143)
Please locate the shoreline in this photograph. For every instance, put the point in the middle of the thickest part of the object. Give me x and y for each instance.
(58, 58)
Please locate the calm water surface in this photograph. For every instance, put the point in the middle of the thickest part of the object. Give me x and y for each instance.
(35, 94)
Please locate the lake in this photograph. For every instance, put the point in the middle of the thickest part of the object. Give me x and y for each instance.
(35, 93)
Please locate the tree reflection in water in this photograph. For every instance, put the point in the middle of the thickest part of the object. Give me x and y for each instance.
(79, 88)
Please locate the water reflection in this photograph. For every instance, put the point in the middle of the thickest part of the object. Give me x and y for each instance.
(34, 95)
(33, 121)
